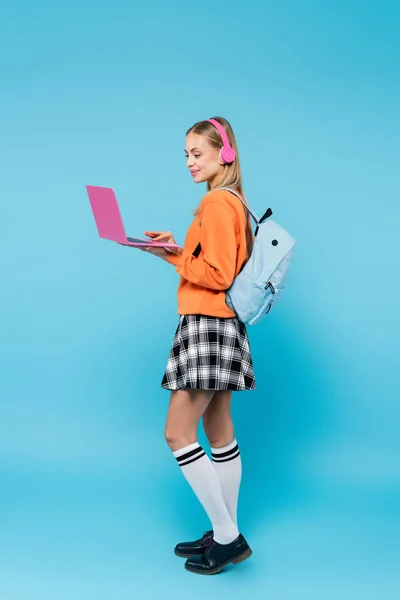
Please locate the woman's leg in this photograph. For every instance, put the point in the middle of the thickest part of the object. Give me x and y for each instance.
(185, 410)
(184, 413)
(218, 427)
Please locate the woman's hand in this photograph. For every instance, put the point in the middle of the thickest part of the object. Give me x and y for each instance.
(159, 236)
(160, 252)
(164, 236)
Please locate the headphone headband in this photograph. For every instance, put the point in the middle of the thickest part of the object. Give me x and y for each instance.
(227, 153)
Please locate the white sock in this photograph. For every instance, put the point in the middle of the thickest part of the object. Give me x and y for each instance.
(201, 476)
(228, 466)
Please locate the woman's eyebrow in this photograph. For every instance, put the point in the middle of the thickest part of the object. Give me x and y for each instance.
(192, 150)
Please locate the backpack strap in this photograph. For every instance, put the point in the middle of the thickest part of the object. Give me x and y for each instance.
(253, 214)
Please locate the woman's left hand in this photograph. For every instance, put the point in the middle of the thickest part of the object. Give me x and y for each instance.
(158, 251)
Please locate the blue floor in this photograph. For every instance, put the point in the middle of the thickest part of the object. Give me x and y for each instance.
(107, 537)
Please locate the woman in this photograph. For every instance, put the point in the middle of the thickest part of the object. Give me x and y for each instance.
(210, 355)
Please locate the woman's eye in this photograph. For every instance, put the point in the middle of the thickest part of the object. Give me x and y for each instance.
(197, 155)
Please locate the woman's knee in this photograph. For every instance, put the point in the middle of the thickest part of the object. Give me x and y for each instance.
(217, 421)
(219, 433)
(177, 439)
(184, 413)
(220, 439)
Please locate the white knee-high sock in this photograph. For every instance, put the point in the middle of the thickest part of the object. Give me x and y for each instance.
(201, 476)
(228, 466)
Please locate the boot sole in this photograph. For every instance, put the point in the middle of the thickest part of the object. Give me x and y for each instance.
(182, 555)
(238, 559)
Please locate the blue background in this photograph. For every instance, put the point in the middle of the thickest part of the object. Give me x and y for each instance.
(91, 500)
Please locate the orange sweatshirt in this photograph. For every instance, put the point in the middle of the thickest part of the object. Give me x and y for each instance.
(220, 229)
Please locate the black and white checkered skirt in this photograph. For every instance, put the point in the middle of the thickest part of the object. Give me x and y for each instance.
(209, 353)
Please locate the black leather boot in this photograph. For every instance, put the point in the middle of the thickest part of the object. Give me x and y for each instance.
(198, 547)
(217, 556)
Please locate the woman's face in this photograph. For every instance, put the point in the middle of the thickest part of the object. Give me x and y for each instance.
(202, 159)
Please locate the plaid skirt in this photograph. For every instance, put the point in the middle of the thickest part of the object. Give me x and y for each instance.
(209, 353)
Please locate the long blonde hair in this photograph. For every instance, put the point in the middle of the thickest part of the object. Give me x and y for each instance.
(232, 175)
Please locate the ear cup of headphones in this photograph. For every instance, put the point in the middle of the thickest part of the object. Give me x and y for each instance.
(227, 154)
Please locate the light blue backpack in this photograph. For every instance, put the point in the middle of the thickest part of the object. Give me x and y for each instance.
(259, 285)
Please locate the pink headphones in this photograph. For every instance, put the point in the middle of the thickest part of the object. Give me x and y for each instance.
(227, 153)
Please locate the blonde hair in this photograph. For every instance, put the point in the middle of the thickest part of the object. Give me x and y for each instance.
(232, 175)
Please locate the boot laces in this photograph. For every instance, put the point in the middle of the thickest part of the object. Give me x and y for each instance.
(209, 543)
(207, 535)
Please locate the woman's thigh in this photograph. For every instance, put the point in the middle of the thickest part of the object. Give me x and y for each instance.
(185, 410)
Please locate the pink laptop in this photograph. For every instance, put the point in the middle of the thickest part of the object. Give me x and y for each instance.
(109, 221)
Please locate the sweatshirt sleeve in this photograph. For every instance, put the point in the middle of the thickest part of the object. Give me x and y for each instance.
(215, 267)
